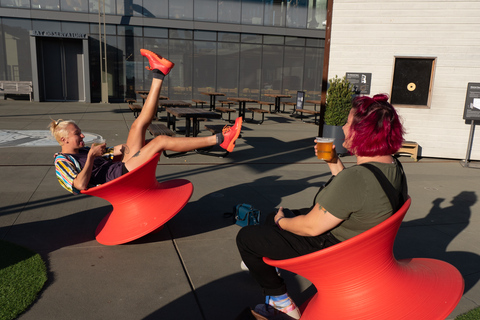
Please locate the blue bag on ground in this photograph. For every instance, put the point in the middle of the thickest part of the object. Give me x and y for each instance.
(246, 215)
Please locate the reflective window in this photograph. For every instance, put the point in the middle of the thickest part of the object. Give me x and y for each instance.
(75, 27)
(155, 32)
(275, 12)
(205, 10)
(74, 5)
(180, 85)
(129, 31)
(45, 25)
(313, 69)
(205, 35)
(252, 12)
(111, 29)
(180, 34)
(273, 40)
(317, 14)
(251, 38)
(155, 8)
(293, 70)
(228, 58)
(250, 70)
(272, 69)
(46, 4)
(204, 64)
(180, 9)
(17, 45)
(109, 6)
(297, 14)
(229, 11)
(15, 3)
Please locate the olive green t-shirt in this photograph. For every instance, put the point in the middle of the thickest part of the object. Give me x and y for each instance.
(356, 196)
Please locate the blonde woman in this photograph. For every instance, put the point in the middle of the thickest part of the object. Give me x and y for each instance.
(79, 167)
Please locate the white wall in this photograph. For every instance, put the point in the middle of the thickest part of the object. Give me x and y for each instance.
(368, 34)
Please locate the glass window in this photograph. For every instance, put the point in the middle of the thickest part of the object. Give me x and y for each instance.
(250, 70)
(155, 8)
(229, 11)
(74, 5)
(294, 41)
(297, 14)
(252, 12)
(130, 60)
(17, 44)
(275, 12)
(15, 3)
(46, 4)
(251, 38)
(293, 69)
(75, 27)
(129, 31)
(3, 51)
(205, 35)
(109, 6)
(205, 10)
(155, 32)
(180, 78)
(315, 42)
(312, 77)
(180, 9)
(228, 62)
(228, 37)
(111, 29)
(44, 25)
(273, 40)
(180, 34)
(204, 63)
(317, 14)
(272, 69)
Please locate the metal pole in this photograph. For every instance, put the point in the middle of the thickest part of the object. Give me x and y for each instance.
(104, 76)
(326, 61)
(100, 46)
(469, 145)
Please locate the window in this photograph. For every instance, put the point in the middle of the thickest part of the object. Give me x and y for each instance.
(412, 81)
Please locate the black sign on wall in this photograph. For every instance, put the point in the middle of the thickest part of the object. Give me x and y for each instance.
(472, 102)
(361, 81)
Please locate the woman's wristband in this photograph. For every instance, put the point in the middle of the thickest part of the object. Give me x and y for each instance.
(277, 223)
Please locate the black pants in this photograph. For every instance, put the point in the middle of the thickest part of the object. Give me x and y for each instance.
(256, 242)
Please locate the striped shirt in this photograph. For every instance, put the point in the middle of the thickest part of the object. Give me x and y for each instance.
(67, 168)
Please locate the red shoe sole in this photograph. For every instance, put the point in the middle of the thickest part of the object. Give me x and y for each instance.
(157, 62)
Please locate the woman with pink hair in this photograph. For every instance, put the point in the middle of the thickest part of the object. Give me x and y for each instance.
(346, 206)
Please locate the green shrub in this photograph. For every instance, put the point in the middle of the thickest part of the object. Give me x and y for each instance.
(339, 101)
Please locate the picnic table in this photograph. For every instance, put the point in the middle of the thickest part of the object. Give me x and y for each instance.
(191, 116)
(277, 97)
(242, 105)
(213, 96)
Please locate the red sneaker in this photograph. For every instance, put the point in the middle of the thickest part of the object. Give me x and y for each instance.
(230, 134)
(157, 62)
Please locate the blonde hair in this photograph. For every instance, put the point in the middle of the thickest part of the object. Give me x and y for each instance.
(58, 128)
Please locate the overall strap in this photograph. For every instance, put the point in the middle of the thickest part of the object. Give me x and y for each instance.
(395, 199)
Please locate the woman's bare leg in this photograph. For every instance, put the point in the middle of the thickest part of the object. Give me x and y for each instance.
(161, 143)
(136, 135)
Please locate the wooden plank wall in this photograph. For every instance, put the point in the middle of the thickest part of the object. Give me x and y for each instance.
(368, 34)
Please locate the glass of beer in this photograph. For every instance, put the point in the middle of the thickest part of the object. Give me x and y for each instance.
(324, 148)
(98, 141)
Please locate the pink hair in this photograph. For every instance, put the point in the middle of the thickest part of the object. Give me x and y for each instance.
(376, 129)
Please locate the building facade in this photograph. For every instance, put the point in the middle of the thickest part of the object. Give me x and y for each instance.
(424, 54)
(70, 49)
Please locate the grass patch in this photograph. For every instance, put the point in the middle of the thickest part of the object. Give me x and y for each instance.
(471, 315)
(22, 276)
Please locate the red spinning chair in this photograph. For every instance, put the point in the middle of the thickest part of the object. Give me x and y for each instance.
(360, 279)
(140, 203)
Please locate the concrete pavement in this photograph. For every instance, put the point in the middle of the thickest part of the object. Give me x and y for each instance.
(191, 268)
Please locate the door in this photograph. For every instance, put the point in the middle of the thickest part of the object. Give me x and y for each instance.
(61, 71)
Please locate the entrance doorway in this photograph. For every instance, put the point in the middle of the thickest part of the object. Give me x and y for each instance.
(61, 69)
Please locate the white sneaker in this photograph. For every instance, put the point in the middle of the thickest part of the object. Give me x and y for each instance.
(269, 312)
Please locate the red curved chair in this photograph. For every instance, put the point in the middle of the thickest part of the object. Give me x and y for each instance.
(360, 279)
(140, 203)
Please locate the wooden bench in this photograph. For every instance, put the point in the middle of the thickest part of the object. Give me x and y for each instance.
(134, 107)
(266, 103)
(16, 87)
(293, 104)
(409, 147)
(197, 101)
(258, 110)
(223, 110)
(315, 113)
